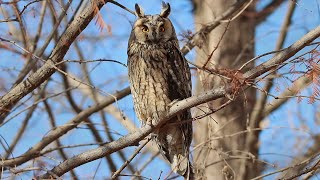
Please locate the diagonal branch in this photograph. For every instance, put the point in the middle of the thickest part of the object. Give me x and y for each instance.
(283, 55)
(256, 116)
(302, 169)
(61, 130)
(205, 30)
(135, 137)
(301, 83)
(34, 80)
(117, 173)
(268, 10)
(258, 108)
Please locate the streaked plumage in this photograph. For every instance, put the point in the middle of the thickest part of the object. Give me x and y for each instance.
(159, 74)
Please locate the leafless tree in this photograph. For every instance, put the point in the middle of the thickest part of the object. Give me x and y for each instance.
(65, 100)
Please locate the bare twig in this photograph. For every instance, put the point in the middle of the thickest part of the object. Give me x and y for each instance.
(196, 38)
(258, 108)
(268, 10)
(134, 137)
(216, 46)
(61, 130)
(287, 168)
(314, 167)
(301, 83)
(123, 7)
(116, 174)
(89, 61)
(34, 80)
(284, 55)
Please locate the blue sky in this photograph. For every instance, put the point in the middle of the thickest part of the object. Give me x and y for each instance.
(106, 76)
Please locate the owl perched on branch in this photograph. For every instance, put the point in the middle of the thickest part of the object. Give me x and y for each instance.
(159, 75)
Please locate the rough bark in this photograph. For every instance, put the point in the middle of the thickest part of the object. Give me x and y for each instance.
(226, 158)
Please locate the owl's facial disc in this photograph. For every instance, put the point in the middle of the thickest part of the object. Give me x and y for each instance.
(153, 29)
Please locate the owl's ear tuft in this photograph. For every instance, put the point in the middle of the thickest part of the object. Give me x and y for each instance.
(165, 11)
(139, 11)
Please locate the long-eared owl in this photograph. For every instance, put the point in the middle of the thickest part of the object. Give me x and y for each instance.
(159, 75)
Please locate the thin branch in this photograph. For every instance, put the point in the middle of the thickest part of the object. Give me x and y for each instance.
(258, 108)
(314, 167)
(287, 168)
(26, 6)
(197, 37)
(117, 173)
(135, 137)
(46, 151)
(61, 130)
(34, 80)
(216, 46)
(301, 83)
(284, 55)
(123, 7)
(262, 15)
(89, 61)
(256, 115)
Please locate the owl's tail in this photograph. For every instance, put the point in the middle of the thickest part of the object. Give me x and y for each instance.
(173, 142)
(182, 166)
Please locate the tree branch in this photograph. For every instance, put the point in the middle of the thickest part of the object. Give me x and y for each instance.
(135, 137)
(256, 115)
(34, 80)
(258, 108)
(205, 30)
(283, 55)
(301, 83)
(61, 130)
(269, 9)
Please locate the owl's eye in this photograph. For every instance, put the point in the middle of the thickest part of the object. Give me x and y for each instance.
(145, 29)
(162, 29)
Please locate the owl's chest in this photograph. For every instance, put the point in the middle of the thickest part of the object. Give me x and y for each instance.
(149, 81)
(149, 66)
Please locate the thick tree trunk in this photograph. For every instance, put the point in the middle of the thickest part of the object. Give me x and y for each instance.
(228, 157)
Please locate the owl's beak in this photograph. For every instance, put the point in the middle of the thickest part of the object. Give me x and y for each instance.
(154, 37)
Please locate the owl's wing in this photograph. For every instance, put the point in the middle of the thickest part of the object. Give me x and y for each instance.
(179, 88)
(179, 75)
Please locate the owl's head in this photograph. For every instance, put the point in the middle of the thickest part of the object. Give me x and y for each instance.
(150, 29)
